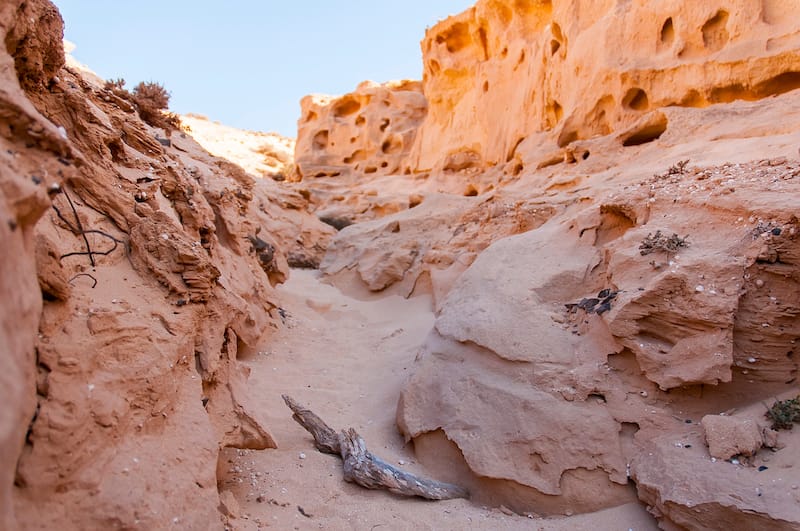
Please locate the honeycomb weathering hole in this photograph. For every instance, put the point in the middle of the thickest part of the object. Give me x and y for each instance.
(356, 156)
(647, 132)
(636, 99)
(667, 32)
(455, 38)
(392, 145)
(715, 31)
(320, 140)
(346, 107)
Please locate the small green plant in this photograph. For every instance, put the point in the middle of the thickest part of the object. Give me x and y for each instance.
(784, 413)
(658, 242)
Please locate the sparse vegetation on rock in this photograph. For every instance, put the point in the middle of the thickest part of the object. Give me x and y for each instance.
(784, 413)
(658, 242)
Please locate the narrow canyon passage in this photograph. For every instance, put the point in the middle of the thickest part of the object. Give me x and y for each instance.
(347, 359)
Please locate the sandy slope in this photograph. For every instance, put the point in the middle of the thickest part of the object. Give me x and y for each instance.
(346, 359)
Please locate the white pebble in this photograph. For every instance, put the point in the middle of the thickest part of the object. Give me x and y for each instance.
(302, 455)
(751, 360)
(699, 288)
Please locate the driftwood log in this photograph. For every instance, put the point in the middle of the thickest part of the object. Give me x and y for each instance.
(363, 468)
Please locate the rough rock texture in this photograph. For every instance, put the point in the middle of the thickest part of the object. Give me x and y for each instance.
(687, 490)
(443, 232)
(639, 292)
(149, 270)
(504, 70)
(730, 436)
(29, 145)
(369, 131)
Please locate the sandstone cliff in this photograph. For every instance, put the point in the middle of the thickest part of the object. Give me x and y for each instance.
(597, 294)
(601, 198)
(136, 268)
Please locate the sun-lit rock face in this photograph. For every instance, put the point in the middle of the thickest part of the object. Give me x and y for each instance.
(368, 131)
(506, 69)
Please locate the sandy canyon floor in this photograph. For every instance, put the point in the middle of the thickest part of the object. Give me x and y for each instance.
(346, 359)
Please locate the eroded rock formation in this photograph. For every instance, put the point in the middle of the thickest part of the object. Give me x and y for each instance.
(597, 293)
(136, 269)
(369, 131)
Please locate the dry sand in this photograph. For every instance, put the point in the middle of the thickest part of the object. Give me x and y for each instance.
(346, 359)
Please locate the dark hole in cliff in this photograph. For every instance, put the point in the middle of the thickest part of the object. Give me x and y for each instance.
(346, 107)
(486, 86)
(384, 124)
(117, 149)
(336, 222)
(320, 140)
(370, 169)
(646, 133)
(471, 191)
(585, 155)
(357, 155)
(597, 396)
(484, 43)
(558, 37)
(521, 58)
(636, 99)
(360, 120)
(567, 137)
(616, 220)
(393, 144)
(667, 32)
(47, 296)
(715, 31)
(779, 84)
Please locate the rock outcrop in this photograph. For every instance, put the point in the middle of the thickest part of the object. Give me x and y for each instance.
(578, 351)
(369, 131)
(136, 269)
(557, 72)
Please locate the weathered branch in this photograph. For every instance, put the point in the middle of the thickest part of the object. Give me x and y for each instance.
(361, 467)
(325, 438)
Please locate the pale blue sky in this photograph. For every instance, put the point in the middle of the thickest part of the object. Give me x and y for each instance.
(247, 63)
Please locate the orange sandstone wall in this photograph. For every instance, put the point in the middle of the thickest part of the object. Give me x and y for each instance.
(506, 69)
(370, 130)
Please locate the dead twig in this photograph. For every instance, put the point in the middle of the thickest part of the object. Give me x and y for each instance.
(94, 280)
(365, 469)
(325, 439)
(77, 228)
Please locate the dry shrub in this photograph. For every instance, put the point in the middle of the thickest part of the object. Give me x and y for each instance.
(152, 100)
(659, 242)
